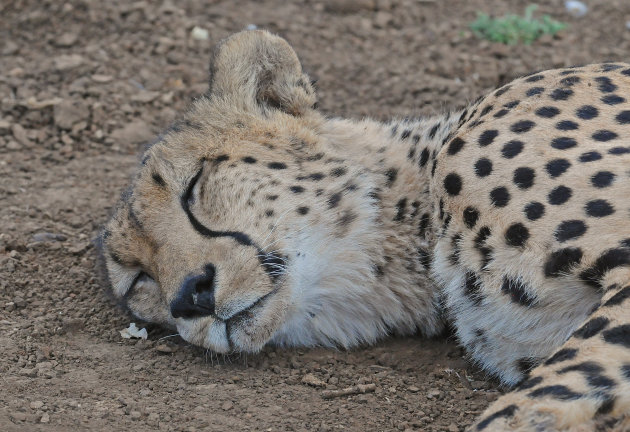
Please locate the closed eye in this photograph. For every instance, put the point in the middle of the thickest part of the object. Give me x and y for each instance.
(141, 277)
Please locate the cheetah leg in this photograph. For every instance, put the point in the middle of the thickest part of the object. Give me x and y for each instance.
(583, 386)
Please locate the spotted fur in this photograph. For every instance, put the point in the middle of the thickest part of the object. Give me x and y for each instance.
(257, 220)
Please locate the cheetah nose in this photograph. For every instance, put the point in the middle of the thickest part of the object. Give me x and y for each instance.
(196, 296)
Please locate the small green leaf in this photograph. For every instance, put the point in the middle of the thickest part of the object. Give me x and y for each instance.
(513, 29)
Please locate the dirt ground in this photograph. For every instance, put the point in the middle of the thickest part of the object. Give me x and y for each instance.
(84, 83)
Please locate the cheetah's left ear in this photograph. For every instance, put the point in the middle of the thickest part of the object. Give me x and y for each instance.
(256, 68)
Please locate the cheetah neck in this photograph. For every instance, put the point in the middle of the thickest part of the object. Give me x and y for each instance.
(381, 266)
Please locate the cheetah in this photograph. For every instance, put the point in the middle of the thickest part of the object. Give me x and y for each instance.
(256, 219)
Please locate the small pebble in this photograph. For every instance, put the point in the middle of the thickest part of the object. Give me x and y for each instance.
(199, 33)
(28, 372)
(18, 416)
(36, 405)
(576, 8)
(48, 236)
(163, 348)
(312, 380)
(66, 40)
(101, 79)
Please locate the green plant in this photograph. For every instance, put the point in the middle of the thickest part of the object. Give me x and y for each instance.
(512, 29)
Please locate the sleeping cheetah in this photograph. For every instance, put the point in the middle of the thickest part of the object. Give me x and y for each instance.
(256, 220)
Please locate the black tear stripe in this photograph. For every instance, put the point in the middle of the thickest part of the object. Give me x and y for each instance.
(240, 237)
(269, 262)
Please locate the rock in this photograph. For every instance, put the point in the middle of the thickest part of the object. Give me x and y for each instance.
(10, 48)
(227, 406)
(101, 79)
(45, 418)
(44, 352)
(34, 104)
(135, 415)
(413, 389)
(36, 405)
(68, 61)
(67, 113)
(434, 393)
(18, 416)
(66, 39)
(492, 396)
(28, 372)
(453, 428)
(19, 301)
(163, 348)
(79, 248)
(75, 221)
(5, 127)
(135, 132)
(19, 133)
(145, 96)
(71, 325)
(13, 145)
(382, 19)
(312, 380)
(48, 236)
(199, 33)
(576, 8)
(16, 72)
(45, 365)
(478, 385)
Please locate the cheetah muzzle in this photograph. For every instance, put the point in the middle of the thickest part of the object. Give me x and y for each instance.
(255, 219)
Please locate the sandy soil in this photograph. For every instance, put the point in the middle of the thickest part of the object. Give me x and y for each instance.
(84, 83)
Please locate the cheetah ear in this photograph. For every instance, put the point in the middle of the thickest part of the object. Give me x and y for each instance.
(256, 68)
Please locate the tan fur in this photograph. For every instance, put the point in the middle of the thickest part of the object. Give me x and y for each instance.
(265, 222)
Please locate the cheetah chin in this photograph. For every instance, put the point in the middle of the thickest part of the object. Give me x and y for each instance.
(255, 219)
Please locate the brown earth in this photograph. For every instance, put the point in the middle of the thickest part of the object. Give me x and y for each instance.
(84, 83)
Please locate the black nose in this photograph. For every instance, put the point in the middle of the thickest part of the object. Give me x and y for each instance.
(196, 296)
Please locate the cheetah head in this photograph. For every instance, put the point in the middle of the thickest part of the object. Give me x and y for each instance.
(223, 233)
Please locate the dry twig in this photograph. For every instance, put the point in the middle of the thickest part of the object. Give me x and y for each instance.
(349, 391)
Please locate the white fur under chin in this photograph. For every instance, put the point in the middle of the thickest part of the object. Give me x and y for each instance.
(335, 300)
